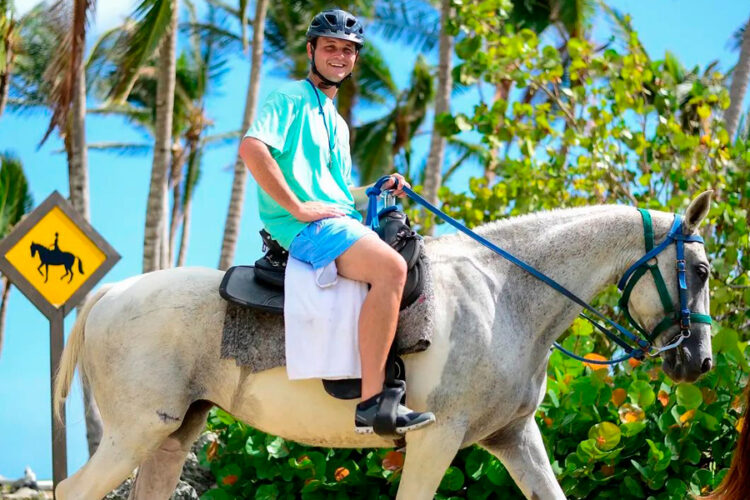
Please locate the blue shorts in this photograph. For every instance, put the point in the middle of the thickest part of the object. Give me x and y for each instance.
(322, 241)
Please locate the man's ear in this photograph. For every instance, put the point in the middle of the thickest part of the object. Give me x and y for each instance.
(309, 50)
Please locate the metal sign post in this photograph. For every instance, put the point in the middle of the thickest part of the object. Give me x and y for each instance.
(54, 257)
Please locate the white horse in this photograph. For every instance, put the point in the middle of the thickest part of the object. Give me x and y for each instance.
(149, 346)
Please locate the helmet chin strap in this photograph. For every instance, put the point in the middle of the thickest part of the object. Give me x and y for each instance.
(325, 82)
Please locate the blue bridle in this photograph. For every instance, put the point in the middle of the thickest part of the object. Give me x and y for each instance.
(631, 276)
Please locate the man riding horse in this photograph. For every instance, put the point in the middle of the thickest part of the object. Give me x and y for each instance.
(298, 151)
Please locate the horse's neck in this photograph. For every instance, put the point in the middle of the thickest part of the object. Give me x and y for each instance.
(583, 249)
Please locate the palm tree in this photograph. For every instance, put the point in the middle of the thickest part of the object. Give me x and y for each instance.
(434, 169)
(156, 25)
(239, 181)
(67, 94)
(396, 128)
(737, 91)
(15, 202)
(199, 67)
(9, 41)
(49, 72)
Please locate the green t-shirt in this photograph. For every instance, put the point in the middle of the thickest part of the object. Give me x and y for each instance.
(291, 125)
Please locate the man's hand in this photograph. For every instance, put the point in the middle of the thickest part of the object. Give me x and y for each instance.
(310, 211)
(396, 183)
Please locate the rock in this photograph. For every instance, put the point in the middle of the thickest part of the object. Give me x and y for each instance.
(183, 492)
(27, 481)
(25, 493)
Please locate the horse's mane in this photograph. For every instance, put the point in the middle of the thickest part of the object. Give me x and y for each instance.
(532, 222)
(736, 484)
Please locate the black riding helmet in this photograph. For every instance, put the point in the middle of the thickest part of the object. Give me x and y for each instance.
(335, 23)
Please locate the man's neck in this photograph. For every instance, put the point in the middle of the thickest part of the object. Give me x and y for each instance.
(330, 91)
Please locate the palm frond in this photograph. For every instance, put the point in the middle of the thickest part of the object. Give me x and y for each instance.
(221, 139)
(226, 7)
(414, 22)
(735, 42)
(374, 77)
(15, 199)
(101, 54)
(153, 20)
(372, 152)
(72, 19)
(122, 148)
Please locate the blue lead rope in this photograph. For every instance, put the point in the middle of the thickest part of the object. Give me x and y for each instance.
(639, 352)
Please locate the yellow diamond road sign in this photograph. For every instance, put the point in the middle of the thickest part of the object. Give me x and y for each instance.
(54, 256)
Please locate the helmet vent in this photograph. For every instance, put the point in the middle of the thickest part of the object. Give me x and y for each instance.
(350, 22)
(331, 18)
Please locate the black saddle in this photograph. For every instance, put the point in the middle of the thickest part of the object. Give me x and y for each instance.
(262, 287)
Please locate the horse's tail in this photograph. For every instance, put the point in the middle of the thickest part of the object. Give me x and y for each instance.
(71, 355)
(736, 484)
(80, 265)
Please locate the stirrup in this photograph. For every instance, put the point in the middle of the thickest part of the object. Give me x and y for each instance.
(384, 423)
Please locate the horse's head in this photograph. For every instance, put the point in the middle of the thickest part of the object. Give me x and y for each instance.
(34, 248)
(677, 309)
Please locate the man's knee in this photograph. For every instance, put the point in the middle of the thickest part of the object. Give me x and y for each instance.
(393, 268)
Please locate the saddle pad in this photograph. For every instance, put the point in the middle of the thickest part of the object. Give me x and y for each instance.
(255, 338)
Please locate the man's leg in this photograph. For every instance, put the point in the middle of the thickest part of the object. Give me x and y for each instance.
(373, 261)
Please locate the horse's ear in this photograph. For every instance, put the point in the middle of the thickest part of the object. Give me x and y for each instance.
(697, 211)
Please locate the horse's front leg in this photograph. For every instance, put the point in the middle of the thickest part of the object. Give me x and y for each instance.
(40, 268)
(520, 448)
(429, 452)
(46, 273)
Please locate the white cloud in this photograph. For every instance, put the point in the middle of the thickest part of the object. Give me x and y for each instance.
(109, 13)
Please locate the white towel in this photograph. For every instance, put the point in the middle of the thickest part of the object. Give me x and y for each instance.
(321, 314)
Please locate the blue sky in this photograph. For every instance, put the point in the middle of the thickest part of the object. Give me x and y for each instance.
(697, 31)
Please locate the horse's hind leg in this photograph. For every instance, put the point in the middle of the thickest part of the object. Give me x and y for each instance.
(158, 475)
(127, 442)
(521, 449)
(114, 460)
(429, 452)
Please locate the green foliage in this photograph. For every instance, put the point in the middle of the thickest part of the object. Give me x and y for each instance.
(572, 126)
(250, 464)
(15, 199)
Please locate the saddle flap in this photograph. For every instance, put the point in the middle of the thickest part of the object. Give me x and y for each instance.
(240, 285)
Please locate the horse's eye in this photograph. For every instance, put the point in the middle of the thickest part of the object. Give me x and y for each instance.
(702, 271)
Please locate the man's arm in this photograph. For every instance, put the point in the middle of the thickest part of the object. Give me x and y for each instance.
(360, 197)
(267, 174)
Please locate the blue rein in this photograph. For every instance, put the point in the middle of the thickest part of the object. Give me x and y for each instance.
(643, 347)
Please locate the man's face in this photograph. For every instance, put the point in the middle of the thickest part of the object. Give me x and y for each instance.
(334, 58)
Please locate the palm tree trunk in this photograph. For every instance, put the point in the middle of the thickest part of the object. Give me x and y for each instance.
(739, 85)
(178, 160)
(3, 309)
(78, 175)
(185, 236)
(8, 65)
(434, 169)
(154, 246)
(78, 181)
(234, 213)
